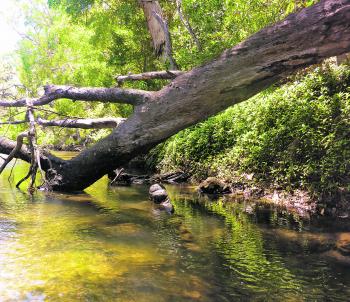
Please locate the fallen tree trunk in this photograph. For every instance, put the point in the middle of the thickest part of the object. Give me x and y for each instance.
(275, 52)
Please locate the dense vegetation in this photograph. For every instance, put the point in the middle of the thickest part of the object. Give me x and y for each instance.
(295, 136)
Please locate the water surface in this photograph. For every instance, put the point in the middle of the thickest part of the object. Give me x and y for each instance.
(113, 244)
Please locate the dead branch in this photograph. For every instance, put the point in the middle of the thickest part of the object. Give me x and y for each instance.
(118, 172)
(168, 45)
(11, 172)
(14, 151)
(187, 24)
(163, 75)
(32, 146)
(104, 95)
(13, 122)
(98, 123)
(46, 159)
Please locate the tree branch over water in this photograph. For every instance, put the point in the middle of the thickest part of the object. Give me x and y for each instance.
(104, 95)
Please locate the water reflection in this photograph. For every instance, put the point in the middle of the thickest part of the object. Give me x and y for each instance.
(112, 244)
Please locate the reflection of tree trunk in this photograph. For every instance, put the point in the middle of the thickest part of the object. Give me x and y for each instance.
(159, 30)
(302, 39)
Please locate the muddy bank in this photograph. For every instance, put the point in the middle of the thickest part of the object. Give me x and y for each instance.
(300, 201)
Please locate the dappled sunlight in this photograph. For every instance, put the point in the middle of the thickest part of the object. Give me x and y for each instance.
(112, 243)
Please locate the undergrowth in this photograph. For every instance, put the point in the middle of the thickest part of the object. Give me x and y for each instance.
(293, 136)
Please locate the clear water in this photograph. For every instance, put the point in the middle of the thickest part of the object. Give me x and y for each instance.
(113, 244)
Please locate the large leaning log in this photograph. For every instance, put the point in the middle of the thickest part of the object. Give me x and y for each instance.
(273, 53)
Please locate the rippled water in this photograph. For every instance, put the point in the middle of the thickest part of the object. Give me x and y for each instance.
(113, 244)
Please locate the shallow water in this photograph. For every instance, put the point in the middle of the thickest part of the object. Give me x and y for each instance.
(113, 244)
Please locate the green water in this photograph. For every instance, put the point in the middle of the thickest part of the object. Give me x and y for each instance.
(113, 244)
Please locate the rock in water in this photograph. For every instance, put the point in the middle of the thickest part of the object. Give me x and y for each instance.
(159, 195)
(215, 186)
(155, 187)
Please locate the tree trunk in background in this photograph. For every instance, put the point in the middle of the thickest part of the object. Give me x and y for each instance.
(302, 39)
(159, 31)
(155, 29)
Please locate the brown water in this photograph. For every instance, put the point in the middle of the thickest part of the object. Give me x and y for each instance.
(113, 244)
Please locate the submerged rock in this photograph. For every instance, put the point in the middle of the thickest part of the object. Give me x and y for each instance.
(215, 186)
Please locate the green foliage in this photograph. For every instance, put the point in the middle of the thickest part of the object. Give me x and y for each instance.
(88, 42)
(296, 136)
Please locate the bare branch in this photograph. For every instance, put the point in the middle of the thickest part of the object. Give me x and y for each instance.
(187, 24)
(13, 122)
(14, 151)
(32, 146)
(47, 160)
(105, 95)
(163, 75)
(98, 123)
(7, 145)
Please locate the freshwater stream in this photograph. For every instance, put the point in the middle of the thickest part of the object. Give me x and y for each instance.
(113, 244)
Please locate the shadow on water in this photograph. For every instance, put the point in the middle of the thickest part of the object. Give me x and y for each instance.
(112, 244)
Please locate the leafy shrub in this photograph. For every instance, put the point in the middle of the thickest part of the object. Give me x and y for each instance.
(295, 136)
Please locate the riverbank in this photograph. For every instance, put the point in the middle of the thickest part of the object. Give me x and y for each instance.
(289, 145)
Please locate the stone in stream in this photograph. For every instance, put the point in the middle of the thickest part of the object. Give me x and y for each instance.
(159, 195)
(215, 186)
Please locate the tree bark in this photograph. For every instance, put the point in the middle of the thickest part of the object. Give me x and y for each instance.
(159, 30)
(106, 95)
(95, 123)
(162, 75)
(98, 123)
(300, 40)
(151, 7)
